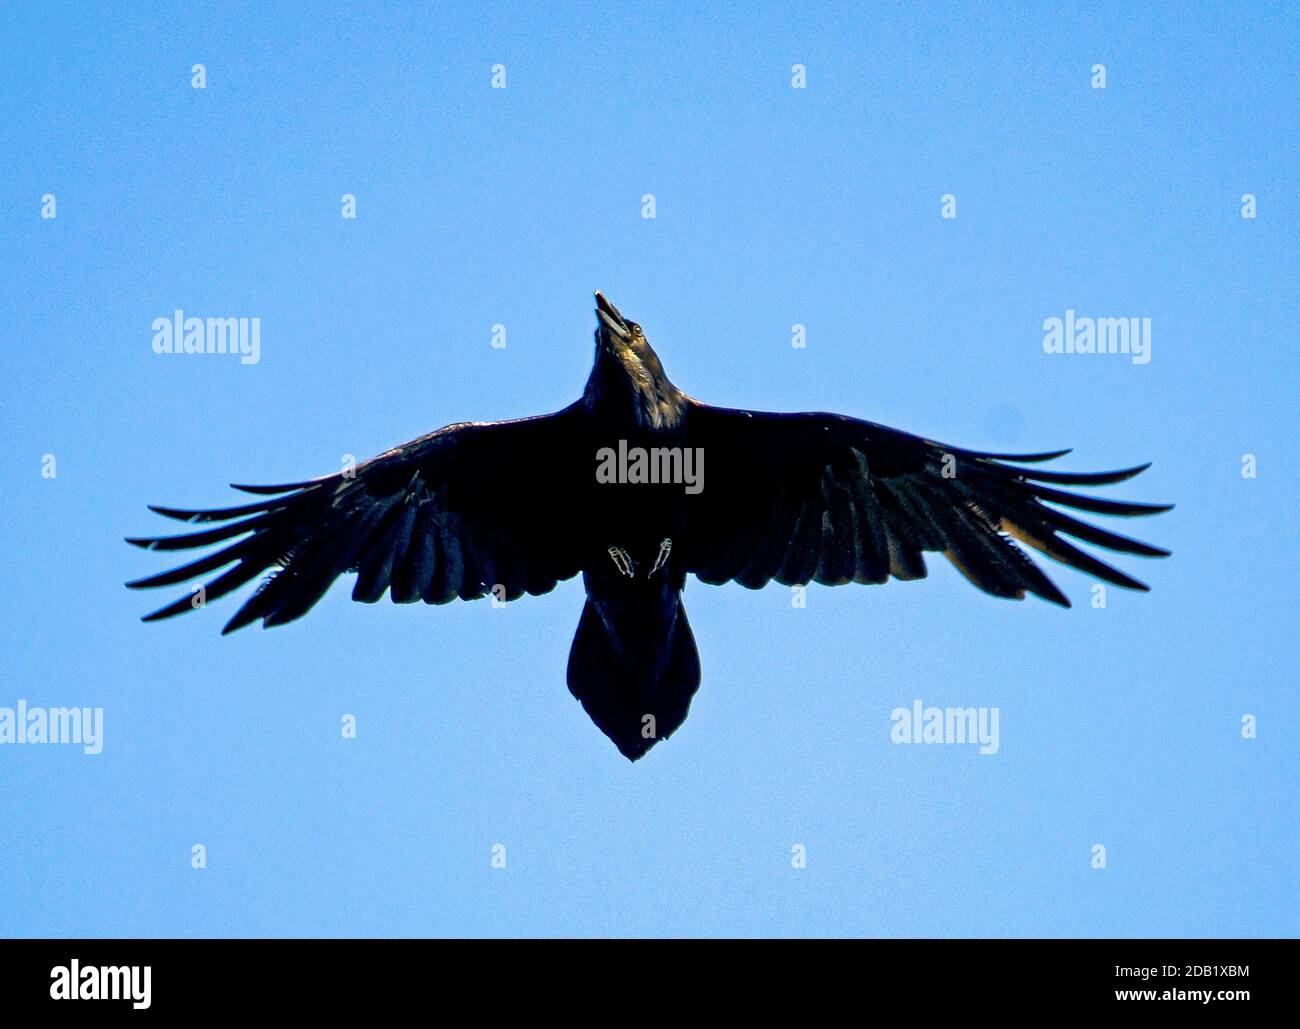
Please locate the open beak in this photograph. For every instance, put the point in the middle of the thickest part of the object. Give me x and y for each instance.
(608, 316)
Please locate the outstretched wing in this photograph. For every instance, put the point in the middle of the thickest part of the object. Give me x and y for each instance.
(831, 499)
(452, 514)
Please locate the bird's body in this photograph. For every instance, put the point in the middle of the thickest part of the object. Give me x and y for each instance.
(633, 664)
(636, 486)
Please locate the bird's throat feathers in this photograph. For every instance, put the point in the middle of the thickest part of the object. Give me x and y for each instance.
(628, 381)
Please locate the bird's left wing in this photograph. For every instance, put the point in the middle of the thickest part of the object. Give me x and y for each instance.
(832, 499)
(457, 513)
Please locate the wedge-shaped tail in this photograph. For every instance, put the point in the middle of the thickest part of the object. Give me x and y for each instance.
(635, 701)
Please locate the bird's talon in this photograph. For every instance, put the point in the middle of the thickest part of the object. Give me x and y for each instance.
(622, 561)
(661, 559)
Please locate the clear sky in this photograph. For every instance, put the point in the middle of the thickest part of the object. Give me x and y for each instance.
(1119, 726)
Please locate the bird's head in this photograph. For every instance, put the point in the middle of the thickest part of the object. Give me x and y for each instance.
(615, 333)
(623, 340)
(621, 347)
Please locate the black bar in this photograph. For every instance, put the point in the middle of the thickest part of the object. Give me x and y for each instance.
(341, 977)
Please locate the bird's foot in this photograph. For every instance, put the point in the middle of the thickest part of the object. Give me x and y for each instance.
(623, 561)
(661, 559)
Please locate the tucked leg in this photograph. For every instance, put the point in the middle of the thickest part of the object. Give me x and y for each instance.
(623, 561)
(661, 559)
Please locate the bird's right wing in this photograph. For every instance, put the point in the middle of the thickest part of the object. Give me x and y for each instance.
(457, 513)
(832, 499)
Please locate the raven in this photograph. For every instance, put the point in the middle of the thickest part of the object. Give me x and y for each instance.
(514, 507)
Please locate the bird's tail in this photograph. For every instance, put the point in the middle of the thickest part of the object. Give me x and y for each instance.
(635, 702)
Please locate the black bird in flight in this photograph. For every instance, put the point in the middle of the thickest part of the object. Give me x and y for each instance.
(636, 485)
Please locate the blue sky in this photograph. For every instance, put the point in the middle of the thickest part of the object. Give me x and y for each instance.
(775, 206)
